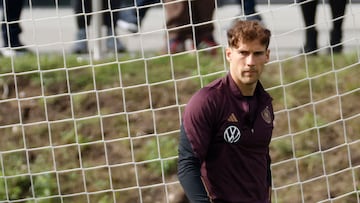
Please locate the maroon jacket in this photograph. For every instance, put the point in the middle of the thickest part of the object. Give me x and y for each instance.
(229, 134)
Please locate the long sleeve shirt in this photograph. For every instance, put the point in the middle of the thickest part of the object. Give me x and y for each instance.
(224, 144)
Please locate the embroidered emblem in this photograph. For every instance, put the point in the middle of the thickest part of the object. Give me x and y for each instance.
(232, 134)
(266, 115)
(232, 118)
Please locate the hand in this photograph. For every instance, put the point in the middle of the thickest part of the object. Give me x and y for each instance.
(270, 190)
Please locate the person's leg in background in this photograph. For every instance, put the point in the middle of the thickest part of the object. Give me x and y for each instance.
(143, 11)
(337, 11)
(177, 15)
(10, 30)
(128, 16)
(82, 21)
(128, 19)
(311, 34)
(82, 7)
(249, 10)
(202, 13)
(110, 19)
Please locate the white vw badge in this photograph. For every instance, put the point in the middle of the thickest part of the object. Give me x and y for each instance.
(232, 134)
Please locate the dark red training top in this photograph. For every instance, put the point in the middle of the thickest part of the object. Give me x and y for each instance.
(230, 135)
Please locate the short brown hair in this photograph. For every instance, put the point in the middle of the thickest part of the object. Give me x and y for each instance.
(248, 31)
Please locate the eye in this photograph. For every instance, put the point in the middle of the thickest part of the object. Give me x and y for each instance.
(244, 53)
(259, 53)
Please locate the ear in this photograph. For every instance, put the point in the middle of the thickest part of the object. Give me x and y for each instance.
(228, 53)
(267, 55)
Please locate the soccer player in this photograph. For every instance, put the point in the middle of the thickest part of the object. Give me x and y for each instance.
(227, 127)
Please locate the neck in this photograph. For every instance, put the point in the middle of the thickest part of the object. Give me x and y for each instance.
(247, 89)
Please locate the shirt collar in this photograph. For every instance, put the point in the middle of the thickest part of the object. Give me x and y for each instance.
(259, 90)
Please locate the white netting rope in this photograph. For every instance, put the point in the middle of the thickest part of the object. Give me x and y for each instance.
(285, 33)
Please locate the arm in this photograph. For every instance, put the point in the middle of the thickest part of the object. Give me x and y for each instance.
(189, 172)
(270, 190)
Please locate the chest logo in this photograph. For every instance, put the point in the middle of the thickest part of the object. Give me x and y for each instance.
(266, 115)
(232, 118)
(232, 134)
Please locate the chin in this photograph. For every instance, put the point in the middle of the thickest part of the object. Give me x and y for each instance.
(250, 82)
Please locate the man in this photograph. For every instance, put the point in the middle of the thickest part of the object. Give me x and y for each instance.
(227, 127)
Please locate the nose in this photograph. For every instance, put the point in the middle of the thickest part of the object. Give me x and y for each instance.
(250, 60)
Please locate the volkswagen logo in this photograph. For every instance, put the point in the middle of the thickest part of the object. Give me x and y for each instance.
(232, 134)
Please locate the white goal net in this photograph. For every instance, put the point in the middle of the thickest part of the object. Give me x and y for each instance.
(103, 127)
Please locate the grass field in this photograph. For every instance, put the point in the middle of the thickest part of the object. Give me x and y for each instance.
(61, 116)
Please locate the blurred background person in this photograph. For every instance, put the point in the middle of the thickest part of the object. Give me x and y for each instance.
(84, 7)
(133, 16)
(130, 19)
(308, 8)
(249, 9)
(181, 24)
(10, 28)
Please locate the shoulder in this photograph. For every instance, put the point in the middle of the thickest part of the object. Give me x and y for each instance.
(206, 100)
(210, 94)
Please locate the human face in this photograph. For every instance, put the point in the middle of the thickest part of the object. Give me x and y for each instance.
(247, 63)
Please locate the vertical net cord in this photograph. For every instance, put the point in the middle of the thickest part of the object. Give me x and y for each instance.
(73, 116)
(61, 34)
(316, 124)
(343, 120)
(352, 14)
(46, 117)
